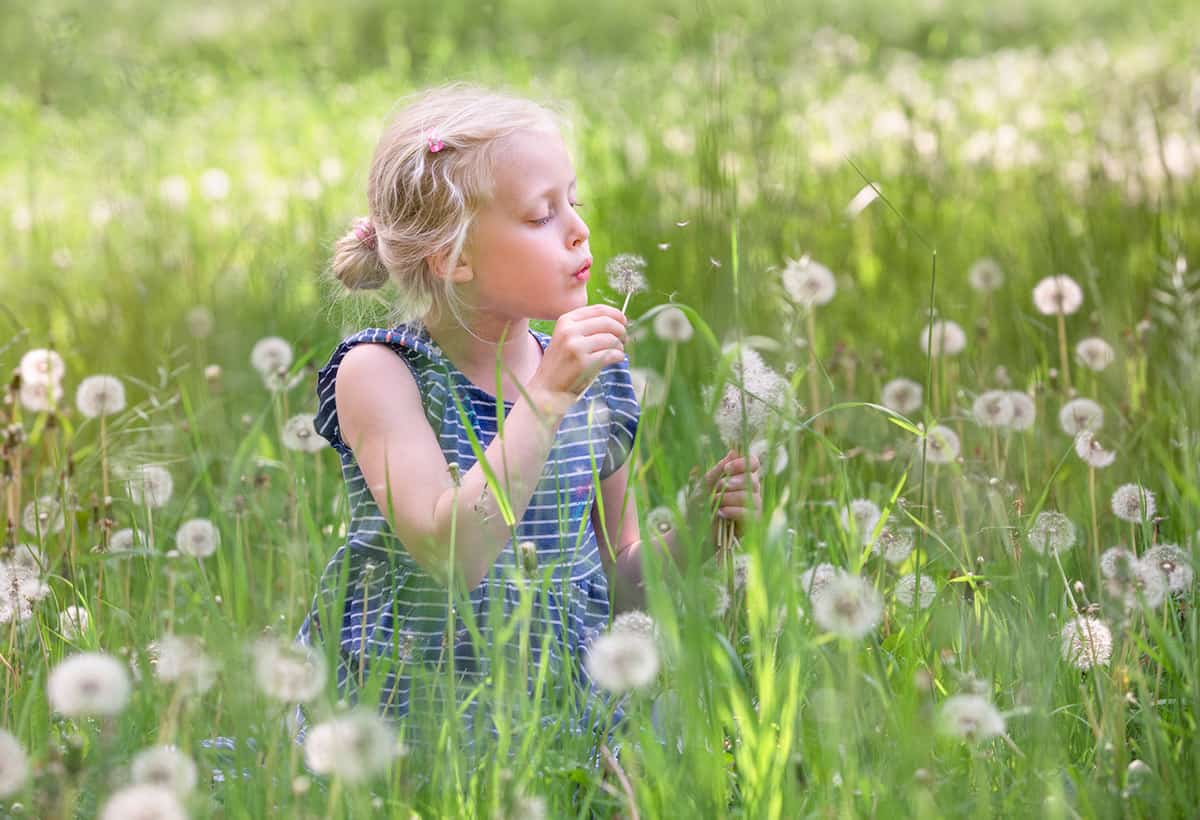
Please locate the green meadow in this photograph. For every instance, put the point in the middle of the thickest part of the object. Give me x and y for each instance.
(947, 252)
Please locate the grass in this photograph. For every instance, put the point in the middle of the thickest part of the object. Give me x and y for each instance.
(718, 144)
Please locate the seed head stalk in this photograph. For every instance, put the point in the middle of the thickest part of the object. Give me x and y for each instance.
(1063, 361)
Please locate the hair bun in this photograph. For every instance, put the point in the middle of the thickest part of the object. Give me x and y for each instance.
(356, 262)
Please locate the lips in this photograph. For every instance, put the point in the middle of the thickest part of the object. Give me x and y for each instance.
(584, 269)
(584, 272)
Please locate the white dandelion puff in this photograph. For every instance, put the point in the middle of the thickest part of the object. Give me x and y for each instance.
(40, 397)
(1080, 414)
(859, 518)
(1133, 503)
(906, 590)
(353, 747)
(722, 600)
(1173, 564)
(941, 445)
(87, 684)
(808, 283)
(619, 662)
(1117, 562)
(985, 275)
(175, 191)
(648, 386)
(270, 355)
(100, 396)
(197, 537)
(671, 325)
(849, 606)
(763, 390)
(815, 580)
(214, 184)
(164, 766)
(200, 322)
(1086, 642)
(948, 338)
(625, 274)
(42, 366)
(43, 516)
(1057, 295)
(902, 395)
(289, 672)
(182, 660)
(73, 622)
(1094, 353)
(1092, 451)
(1024, 411)
(634, 622)
(1052, 532)
(121, 541)
(758, 449)
(970, 717)
(150, 485)
(14, 766)
(300, 434)
(993, 408)
(894, 544)
(1140, 584)
(143, 801)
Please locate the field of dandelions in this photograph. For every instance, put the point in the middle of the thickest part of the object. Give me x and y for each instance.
(937, 265)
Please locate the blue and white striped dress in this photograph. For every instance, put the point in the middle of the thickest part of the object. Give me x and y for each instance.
(393, 616)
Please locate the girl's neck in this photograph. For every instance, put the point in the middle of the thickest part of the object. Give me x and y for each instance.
(473, 349)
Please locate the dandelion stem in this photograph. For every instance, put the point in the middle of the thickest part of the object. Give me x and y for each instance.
(813, 388)
(1095, 524)
(1062, 352)
(625, 304)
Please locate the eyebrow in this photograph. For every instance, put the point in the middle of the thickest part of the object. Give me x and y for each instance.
(551, 189)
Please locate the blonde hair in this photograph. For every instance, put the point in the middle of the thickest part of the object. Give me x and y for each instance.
(421, 202)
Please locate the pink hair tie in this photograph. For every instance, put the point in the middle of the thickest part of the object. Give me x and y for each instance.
(435, 145)
(365, 232)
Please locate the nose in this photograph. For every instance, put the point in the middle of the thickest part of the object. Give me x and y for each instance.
(579, 230)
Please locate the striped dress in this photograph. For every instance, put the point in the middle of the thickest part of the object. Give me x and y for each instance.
(390, 618)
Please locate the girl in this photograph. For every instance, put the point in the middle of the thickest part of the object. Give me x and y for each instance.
(474, 219)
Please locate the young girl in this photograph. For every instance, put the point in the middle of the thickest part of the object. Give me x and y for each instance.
(474, 219)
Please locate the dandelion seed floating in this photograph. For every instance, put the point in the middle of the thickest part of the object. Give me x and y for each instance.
(1086, 642)
(88, 684)
(625, 275)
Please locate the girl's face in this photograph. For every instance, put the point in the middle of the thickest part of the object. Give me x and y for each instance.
(528, 242)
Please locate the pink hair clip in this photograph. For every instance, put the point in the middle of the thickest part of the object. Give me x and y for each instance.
(365, 231)
(435, 145)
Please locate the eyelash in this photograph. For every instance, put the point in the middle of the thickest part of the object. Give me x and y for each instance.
(546, 219)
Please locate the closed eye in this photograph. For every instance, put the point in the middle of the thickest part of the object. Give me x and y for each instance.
(546, 219)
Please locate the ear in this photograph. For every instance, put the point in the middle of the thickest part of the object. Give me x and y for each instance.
(457, 274)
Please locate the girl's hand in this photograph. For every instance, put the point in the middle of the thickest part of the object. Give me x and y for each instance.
(735, 482)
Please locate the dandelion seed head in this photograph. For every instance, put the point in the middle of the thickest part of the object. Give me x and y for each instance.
(894, 544)
(648, 386)
(741, 570)
(1174, 565)
(1092, 452)
(1094, 353)
(671, 325)
(42, 366)
(1140, 584)
(815, 580)
(985, 275)
(200, 322)
(143, 801)
(270, 355)
(1117, 562)
(87, 684)
(182, 660)
(993, 408)
(948, 338)
(73, 622)
(150, 485)
(165, 766)
(1057, 295)
(1086, 642)
(1052, 532)
(906, 590)
(197, 537)
(902, 395)
(100, 395)
(635, 622)
(808, 283)
(660, 520)
(970, 717)
(1133, 503)
(289, 672)
(620, 662)
(300, 434)
(941, 445)
(1079, 415)
(43, 516)
(859, 517)
(758, 449)
(721, 599)
(121, 540)
(40, 397)
(849, 606)
(625, 273)
(14, 765)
